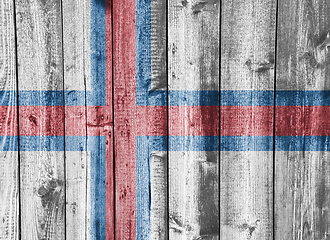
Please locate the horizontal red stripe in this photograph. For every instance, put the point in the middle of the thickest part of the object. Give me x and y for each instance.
(151, 121)
(41, 121)
(8, 121)
(302, 121)
(99, 120)
(193, 121)
(246, 120)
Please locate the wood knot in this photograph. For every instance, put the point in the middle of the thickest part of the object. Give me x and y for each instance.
(197, 8)
(261, 66)
(33, 120)
(184, 3)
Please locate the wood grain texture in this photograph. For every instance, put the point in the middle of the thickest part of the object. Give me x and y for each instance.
(158, 185)
(39, 39)
(40, 67)
(76, 47)
(194, 195)
(193, 64)
(158, 160)
(247, 45)
(9, 178)
(302, 56)
(193, 44)
(247, 63)
(124, 56)
(302, 178)
(158, 45)
(77, 220)
(246, 195)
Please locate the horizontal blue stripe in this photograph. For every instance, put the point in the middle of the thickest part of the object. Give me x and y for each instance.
(8, 98)
(51, 143)
(193, 143)
(41, 143)
(247, 98)
(302, 98)
(96, 97)
(8, 143)
(53, 98)
(193, 98)
(187, 143)
(180, 143)
(266, 98)
(40, 98)
(246, 143)
(302, 143)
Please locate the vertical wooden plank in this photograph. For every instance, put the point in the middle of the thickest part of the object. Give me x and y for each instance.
(42, 189)
(151, 88)
(158, 45)
(302, 167)
(193, 73)
(124, 60)
(100, 122)
(247, 84)
(194, 196)
(158, 192)
(76, 46)
(40, 68)
(88, 99)
(9, 178)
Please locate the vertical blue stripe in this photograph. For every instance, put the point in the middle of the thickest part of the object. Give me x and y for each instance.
(143, 51)
(97, 96)
(143, 193)
(98, 187)
(144, 147)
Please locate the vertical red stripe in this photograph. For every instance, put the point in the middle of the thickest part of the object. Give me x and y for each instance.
(108, 128)
(125, 117)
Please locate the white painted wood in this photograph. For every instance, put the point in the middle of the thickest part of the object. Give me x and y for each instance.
(9, 178)
(76, 195)
(42, 195)
(193, 44)
(193, 195)
(158, 184)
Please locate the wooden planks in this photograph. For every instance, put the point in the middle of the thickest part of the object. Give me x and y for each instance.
(9, 174)
(159, 196)
(124, 119)
(76, 55)
(302, 167)
(247, 62)
(40, 67)
(193, 76)
(194, 195)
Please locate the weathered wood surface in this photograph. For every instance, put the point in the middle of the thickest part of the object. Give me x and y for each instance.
(247, 62)
(302, 177)
(40, 67)
(9, 168)
(76, 55)
(159, 160)
(193, 64)
(159, 196)
(124, 70)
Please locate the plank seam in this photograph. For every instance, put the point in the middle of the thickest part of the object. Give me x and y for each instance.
(18, 138)
(219, 153)
(168, 126)
(63, 117)
(113, 125)
(274, 119)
